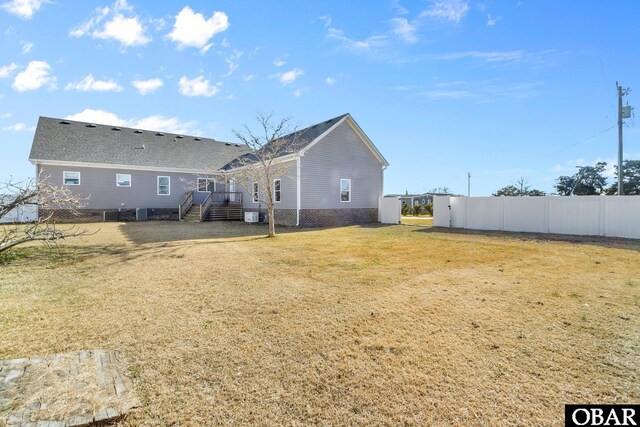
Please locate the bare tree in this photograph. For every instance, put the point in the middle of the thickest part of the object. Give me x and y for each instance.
(14, 194)
(257, 170)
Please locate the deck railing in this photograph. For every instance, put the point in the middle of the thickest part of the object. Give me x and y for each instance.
(205, 206)
(227, 198)
(184, 207)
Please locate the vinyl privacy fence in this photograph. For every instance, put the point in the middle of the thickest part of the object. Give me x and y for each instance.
(617, 216)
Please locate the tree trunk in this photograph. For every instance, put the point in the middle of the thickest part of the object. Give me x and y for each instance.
(272, 217)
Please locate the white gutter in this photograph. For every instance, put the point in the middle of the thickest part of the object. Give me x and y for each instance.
(297, 191)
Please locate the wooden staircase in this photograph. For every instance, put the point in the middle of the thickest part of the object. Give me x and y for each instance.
(193, 214)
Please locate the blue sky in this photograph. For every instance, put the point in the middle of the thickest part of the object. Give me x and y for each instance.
(500, 89)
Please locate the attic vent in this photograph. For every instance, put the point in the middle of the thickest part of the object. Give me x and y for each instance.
(159, 134)
(115, 128)
(65, 122)
(197, 139)
(179, 136)
(227, 144)
(91, 125)
(137, 131)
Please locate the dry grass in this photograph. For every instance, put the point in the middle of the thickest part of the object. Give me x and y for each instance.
(425, 221)
(358, 325)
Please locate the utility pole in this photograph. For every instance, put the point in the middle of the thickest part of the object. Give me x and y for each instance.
(468, 184)
(621, 92)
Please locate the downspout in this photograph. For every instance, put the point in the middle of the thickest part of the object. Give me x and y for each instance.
(380, 197)
(297, 191)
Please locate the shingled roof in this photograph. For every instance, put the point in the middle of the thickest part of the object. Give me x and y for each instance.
(71, 141)
(293, 142)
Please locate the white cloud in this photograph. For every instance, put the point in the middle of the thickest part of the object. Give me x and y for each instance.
(232, 62)
(491, 21)
(97, 116)
(404, 29)
(248, 77)
(279, 62)
(26, 46)
(127, 30)
(197, 87)
(446, 10)
(6, 115)
(34, 77)
(19, 127)
(193, 30)
(326, 19)
(164, 124)
(22, 8)
(155, 122)
(300, 92)
(496, 56)
(289, 77)
(147, 86)
(357, 45)
(7, 70)
(330, 81)
(89, 84)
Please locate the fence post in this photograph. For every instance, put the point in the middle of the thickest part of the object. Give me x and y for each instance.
(602, 215)
(547, 212)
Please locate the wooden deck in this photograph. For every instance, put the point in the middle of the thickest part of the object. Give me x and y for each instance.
(65, 390)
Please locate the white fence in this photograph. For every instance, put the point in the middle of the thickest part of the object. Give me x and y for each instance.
(617, 216)
(22, 213)
(390, 210)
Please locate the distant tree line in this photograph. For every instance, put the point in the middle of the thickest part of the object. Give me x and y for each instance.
(587, 181)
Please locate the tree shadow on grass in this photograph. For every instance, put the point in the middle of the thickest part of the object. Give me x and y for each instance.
(213, 232)
(607, 242)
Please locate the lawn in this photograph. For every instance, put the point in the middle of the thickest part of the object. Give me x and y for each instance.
(397, 325)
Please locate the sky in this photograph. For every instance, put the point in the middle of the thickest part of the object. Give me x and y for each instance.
(501, 89)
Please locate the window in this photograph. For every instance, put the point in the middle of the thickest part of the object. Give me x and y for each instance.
(71, 178)
(345, 190)
(232, 190)
(203, 184)
(123, 180)
(164, 185)
(255, 192)
(276, 191)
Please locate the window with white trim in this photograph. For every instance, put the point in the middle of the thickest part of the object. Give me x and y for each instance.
(71, 178)
(164, 185)
(345, 190)
(123, 180)
(277, 193)
(255, 194)
(203, 184)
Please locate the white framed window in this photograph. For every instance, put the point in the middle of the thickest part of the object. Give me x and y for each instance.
(71, 178)
(345, 190)
(277, 193)
(203, 184)
(123, 180)
(164, 185)
(256, 189)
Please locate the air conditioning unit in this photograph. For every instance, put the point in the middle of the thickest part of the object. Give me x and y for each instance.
(251, 217)
(141, 214)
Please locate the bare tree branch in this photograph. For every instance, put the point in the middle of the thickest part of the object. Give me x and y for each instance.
(49, 197)
(264, 162)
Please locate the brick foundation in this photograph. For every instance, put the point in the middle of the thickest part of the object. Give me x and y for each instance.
(337, 217)
(98, 215)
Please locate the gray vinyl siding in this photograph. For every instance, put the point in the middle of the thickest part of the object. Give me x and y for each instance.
(340, 154)
(100, 185)
(288, 191)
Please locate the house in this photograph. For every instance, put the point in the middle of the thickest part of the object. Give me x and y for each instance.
(336, 174)
(415, 199)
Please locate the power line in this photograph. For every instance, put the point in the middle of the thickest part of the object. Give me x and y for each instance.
(582, 141)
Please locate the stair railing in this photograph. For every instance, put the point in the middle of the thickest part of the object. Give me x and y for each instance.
(184, 207)
(205, 206)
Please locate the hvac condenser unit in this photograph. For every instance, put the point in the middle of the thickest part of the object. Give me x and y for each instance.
(251, 217)
(141, 214)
